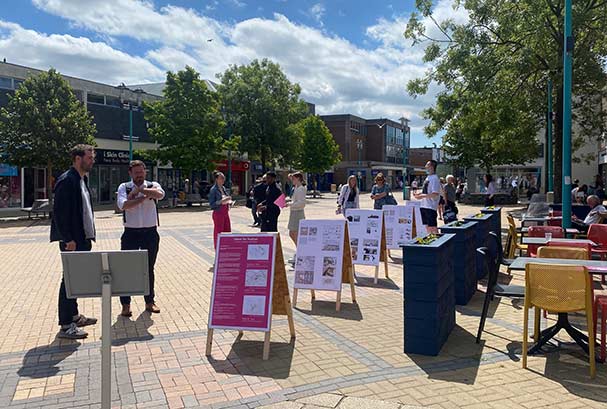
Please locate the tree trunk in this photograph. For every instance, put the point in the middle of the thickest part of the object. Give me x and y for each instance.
(49, 178)
(315, 187)
(558, 148)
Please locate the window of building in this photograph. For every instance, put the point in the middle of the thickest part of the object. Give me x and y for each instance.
(113, 101)
(95, 99)
(17, 83)
(6, 83)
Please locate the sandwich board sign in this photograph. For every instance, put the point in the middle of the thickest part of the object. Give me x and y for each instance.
(249, 286)
(367, 232)
(323, 260)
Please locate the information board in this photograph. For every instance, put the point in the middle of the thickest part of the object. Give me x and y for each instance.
(420, 229)
(399, 225)
(242, 282)
(365, 228)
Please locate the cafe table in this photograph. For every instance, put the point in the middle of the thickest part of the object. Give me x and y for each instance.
(541, 220)
(569, 230)
(595, 267)
(542, 241)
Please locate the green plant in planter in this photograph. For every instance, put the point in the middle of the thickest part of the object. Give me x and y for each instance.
(479, 215)
(458, 223)
(427, 239)
(490, 207)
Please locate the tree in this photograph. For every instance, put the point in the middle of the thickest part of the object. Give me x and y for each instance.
(42, 122)
(187, 124)
(318, 151)
(261, 103)
(493, 71)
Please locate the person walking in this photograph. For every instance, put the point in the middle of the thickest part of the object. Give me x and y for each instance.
(252, 200)
(138, 200)
(349, 196)
(297, 205)
(430, 197)
(259, 195)
(268, 209)
(220, 201)
(73, 226)
(490, 190)
(379, 192)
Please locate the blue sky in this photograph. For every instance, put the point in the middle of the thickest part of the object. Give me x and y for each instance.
(349, 56)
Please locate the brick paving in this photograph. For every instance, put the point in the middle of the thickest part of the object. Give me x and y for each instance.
(350, 359)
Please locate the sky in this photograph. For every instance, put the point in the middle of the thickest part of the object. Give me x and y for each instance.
(349, 56)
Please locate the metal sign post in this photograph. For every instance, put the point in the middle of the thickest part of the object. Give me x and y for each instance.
(106, 332)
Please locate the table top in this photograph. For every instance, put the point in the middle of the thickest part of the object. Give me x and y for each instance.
(569, 230)
(594, 266)
(541, 218)
(543, 240)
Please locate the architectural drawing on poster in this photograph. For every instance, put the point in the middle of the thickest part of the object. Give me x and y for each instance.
(256, 278)
(253, 305)
(258, 252)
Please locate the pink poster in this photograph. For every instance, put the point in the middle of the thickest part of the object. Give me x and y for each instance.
(242, 282)
(281, 201)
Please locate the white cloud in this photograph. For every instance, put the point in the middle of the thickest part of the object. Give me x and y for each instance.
(337, 75)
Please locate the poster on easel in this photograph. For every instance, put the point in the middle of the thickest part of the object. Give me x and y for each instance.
(399, 225)
(367, 232)
(249, 286)
(323, 260)
(420, 229)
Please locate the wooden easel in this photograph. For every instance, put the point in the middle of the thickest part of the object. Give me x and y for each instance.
(281, 303)
(347, 275)
(383, 252)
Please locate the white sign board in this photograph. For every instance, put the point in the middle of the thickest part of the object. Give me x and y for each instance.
(320, 252)
(419, 224)
(399, 225)
(365, 230)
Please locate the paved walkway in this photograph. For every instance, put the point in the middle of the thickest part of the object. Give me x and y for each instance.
(159, 360)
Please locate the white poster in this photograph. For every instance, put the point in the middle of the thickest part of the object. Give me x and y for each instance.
(419, 224)
(365, 229)
(319, 257)
(399, 224)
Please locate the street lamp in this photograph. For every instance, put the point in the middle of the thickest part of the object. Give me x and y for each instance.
(359, 148)
(406, 141)
(567, 74)
(129, 105)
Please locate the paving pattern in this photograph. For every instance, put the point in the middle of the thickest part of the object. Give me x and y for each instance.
(348, 359)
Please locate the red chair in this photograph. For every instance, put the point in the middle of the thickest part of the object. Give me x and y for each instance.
(600, 305)
(598, 234)
(540, 231)
(555, 213)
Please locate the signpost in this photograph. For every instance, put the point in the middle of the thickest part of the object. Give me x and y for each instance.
(249, 286)
(323, 260)
(367, 232)
(104, 274)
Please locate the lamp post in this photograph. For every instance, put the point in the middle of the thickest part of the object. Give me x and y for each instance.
(359, 148)
(549, 137)
(567, 74)
(406, 142)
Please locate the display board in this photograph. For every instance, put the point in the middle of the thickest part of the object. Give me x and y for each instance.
(419, 224)
(367, 233)
(323, 260)
(399, 225)
(249, 285)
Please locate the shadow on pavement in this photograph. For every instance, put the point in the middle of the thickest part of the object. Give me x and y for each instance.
(348, 310)
(42, 362)
(126, 330)
(383, 283)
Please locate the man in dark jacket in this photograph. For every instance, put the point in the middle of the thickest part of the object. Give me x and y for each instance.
(269, 211)
(73, 226)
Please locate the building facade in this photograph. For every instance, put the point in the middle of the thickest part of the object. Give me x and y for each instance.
(368, 147)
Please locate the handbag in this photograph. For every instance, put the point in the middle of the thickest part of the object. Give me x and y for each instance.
(390, 200)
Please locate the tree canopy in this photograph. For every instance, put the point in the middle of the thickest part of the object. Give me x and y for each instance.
(187, 124)
(318, 150)
(261, 104)
(492, 73)
(42, 122)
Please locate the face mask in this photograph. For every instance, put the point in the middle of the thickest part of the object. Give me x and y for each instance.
(427, 171)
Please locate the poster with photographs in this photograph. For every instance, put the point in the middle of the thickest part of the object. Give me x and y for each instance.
(399, 225)
(419, 225)
(319, 258)
(365, 230)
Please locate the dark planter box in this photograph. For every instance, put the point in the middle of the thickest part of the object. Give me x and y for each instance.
(496, 219)
(464, 264)
(483, 228)
(429, 296)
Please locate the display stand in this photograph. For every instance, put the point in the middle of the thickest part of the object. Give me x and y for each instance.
(383, 255)
(367, 233)
(279, 302)
(89, 274)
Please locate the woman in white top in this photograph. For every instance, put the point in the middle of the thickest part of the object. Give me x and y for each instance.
(490, 192)
(297, 205)
(348, 196)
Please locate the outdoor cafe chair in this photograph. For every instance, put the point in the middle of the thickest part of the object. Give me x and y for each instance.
(540, 231)
(598, 234)
(558, 288)
(494, 289)
(500, 252)
(515, 243)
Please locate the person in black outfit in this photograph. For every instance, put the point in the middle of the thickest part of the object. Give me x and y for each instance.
(259, 195)
(269, 211)
(73, 226)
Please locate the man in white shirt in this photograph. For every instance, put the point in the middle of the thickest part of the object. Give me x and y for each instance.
(595, 215)
(430, 197)
(138, 199)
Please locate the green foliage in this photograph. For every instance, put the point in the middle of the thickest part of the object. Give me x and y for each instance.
(261, 104)
(493, 72)
(187, 124)
(42, 122)
(318, 150)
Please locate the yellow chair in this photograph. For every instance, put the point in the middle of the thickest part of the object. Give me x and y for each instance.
(515, 243)
(563, 252)
(559, 288)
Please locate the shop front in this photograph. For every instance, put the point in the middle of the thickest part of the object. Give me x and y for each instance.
(10, 186)
(239, 174)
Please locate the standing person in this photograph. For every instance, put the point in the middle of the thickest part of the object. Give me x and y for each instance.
(259, 195)
(268, 209)
(220, 202)
(138, 199)
(429, 197)
(490, 190)
(348, 196)
(441, 200)
(449, 195)
(379, 191)
(73, 226)
(252, 200)
(297, 205)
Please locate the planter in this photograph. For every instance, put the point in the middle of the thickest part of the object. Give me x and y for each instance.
(464, 263)
(496, 219)
(429, 296)
(482, 240)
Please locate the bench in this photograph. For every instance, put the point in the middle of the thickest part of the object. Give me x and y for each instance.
(39, 206)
